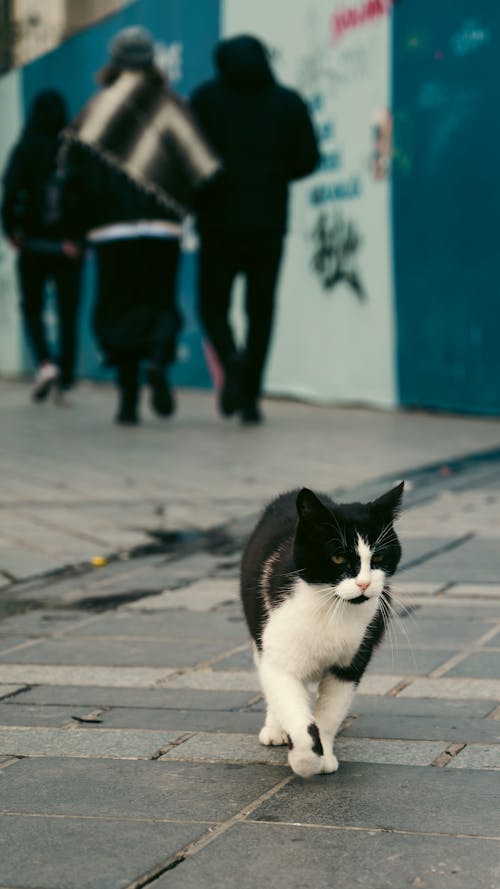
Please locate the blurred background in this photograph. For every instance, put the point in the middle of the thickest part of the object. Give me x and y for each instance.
(388, 294)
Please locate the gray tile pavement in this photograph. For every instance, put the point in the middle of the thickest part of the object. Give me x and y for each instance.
(479, 664)
(170, 770)
(298, 855)
(392, 797)
(112, 696)
(126, 744)
(110, 788)
(114, 652)
(92, 852)
(21, 715)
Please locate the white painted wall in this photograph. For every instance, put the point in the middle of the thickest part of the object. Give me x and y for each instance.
(328, 346)
(10, 322)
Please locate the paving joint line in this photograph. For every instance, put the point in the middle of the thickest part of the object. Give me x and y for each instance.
(475, 646)
(192, 848)
(171, 745)
(442, 760)
(372, 829)
(495, 713)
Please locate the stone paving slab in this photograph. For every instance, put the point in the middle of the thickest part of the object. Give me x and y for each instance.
(391, 797)
(477, 756)
(475, 561)
(441, 728)
(486, 689)
(94, 853)
(7, 643)
(115, 652)
(94, 696)
(118, 677)
(7, 690)
(441, 632)
(479, 664)
(410, 661)
(42, 623)
(182, 720)
(20, 562)
(26, 714)
(172, 625)
(294, 856)
(203, 595)
(401, 587)
(120, 744)
(494, 642)
(427, 707)
(245, 748)
(241, 660)
(208, 680)
(476, 590)
(110, 788)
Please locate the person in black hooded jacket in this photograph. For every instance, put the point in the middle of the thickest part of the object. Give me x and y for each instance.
(263, 134)
(47, 235)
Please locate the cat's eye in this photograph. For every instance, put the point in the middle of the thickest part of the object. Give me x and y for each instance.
(378, 559)
(338, 560)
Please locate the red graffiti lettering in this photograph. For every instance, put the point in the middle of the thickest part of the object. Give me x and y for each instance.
(354, 16)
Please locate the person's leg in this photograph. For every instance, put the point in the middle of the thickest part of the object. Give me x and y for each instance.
(128, 385)
(114, 320)
(33, 276)
(262, 267)
(216, 272)
(67, 275)
(162, 257)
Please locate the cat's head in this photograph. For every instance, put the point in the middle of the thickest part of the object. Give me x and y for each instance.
(351, 547)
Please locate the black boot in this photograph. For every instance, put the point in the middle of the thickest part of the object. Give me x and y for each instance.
(162, 399)
(128, 385)
(250, 413)
(231, 395)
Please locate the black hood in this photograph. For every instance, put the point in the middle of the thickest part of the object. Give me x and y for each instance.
(47, 113)
(243, 63)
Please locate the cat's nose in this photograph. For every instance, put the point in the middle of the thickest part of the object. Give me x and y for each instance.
(363, 585)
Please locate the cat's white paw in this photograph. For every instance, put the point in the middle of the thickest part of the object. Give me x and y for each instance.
(272, 736)
(329, 763)
(304, 762)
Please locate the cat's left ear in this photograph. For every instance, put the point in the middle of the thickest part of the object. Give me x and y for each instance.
(389, 504)
(309, 507)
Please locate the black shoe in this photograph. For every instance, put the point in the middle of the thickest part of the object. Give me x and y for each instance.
(230, 394)
(127, 412)
(250, 413)
(162, 400)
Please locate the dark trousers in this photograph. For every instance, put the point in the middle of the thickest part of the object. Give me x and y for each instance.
(136, 315)
(222, 257)
(36, 270)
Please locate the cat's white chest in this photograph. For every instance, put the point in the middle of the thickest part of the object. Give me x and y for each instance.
(306, 633)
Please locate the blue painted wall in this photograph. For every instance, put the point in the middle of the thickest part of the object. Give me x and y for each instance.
(71, 68)
(446, 203)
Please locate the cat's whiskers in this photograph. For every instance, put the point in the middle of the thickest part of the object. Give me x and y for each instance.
(386, 618)
(399, 623)
(385, 535)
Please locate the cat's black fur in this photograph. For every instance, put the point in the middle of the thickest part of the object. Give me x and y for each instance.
(302, 531)
(314, 586)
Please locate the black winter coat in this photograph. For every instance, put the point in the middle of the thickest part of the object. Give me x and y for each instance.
(263, 134)
(32, 204)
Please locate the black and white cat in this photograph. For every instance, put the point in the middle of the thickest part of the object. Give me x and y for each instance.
(314, 585)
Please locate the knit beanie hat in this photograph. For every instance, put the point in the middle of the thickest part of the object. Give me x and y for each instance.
(132, 48)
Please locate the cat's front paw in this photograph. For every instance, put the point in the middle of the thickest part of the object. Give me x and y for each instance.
(272, 736)
(329, 763)
(304, 763)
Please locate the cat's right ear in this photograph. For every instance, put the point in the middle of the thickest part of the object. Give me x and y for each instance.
(308, 505)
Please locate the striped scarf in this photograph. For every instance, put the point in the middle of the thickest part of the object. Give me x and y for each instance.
(142, 128)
